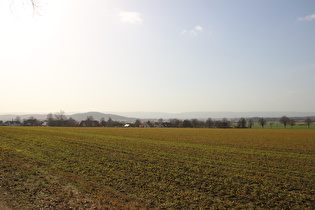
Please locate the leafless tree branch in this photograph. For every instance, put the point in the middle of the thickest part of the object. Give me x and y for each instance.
(27, 4)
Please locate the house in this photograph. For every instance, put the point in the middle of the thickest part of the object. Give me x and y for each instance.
(158, 125)
(167, 124)
(13, 123)
(32, 122)
(145, 125)
(45, 123)
(90, 123)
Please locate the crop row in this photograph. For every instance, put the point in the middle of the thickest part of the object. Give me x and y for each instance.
(160, 168)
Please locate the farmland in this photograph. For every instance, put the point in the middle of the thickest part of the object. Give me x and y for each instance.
(134, 168)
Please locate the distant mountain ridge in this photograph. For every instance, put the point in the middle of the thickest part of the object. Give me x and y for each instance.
(214, 115)
(77, 117)
(132, 116)
(99, 115)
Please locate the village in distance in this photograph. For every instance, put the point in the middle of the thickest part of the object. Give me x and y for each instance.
(182, 120)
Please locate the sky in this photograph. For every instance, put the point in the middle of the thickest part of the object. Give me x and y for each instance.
(157, 56)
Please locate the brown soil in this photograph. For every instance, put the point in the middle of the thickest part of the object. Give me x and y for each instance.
(3, 203)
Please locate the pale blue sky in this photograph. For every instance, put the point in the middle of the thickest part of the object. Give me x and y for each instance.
(158, 55)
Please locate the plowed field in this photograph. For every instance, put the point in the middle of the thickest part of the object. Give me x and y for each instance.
(134, 168)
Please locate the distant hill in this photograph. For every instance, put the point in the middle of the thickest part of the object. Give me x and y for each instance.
(77, 117)
(99, 115)
(7, 117)
(214, 115)
(132, 116)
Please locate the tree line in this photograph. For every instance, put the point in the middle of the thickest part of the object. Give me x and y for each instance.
(240, 123)
(60, 119)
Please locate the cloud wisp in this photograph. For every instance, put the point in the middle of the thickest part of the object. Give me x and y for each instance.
(130, 17)
(193, 32)
(307, 18)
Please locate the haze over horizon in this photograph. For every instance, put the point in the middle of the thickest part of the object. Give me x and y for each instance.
(157, 56)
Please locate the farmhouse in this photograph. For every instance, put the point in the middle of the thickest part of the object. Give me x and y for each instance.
(13, 123)
(145, 125)
(90, 123)
(45, 123)
(32, 122)
(158, 125)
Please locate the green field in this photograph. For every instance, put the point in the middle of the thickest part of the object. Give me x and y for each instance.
(278, 125)
(134, 168)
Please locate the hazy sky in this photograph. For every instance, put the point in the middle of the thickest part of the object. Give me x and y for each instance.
(157, 55)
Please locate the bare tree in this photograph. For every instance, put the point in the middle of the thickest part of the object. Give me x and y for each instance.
(50, 119)
(110, 122)
(149, 123)
(72, 122)
(284, 120)
(60, 116)
(226, 123)
(194, 122)
(209, 123)
(31, 121)
(250, 123)
(308, 121)
(18, 118)
(262, 122)
(187, 124)
(89, 118)
(202, 124)
(27, 4)
(292, 122)
(89, 121)
(271, 124)
(137, 123)
(103, 122)
(34, 4)
(241, 123)
(175, 122)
